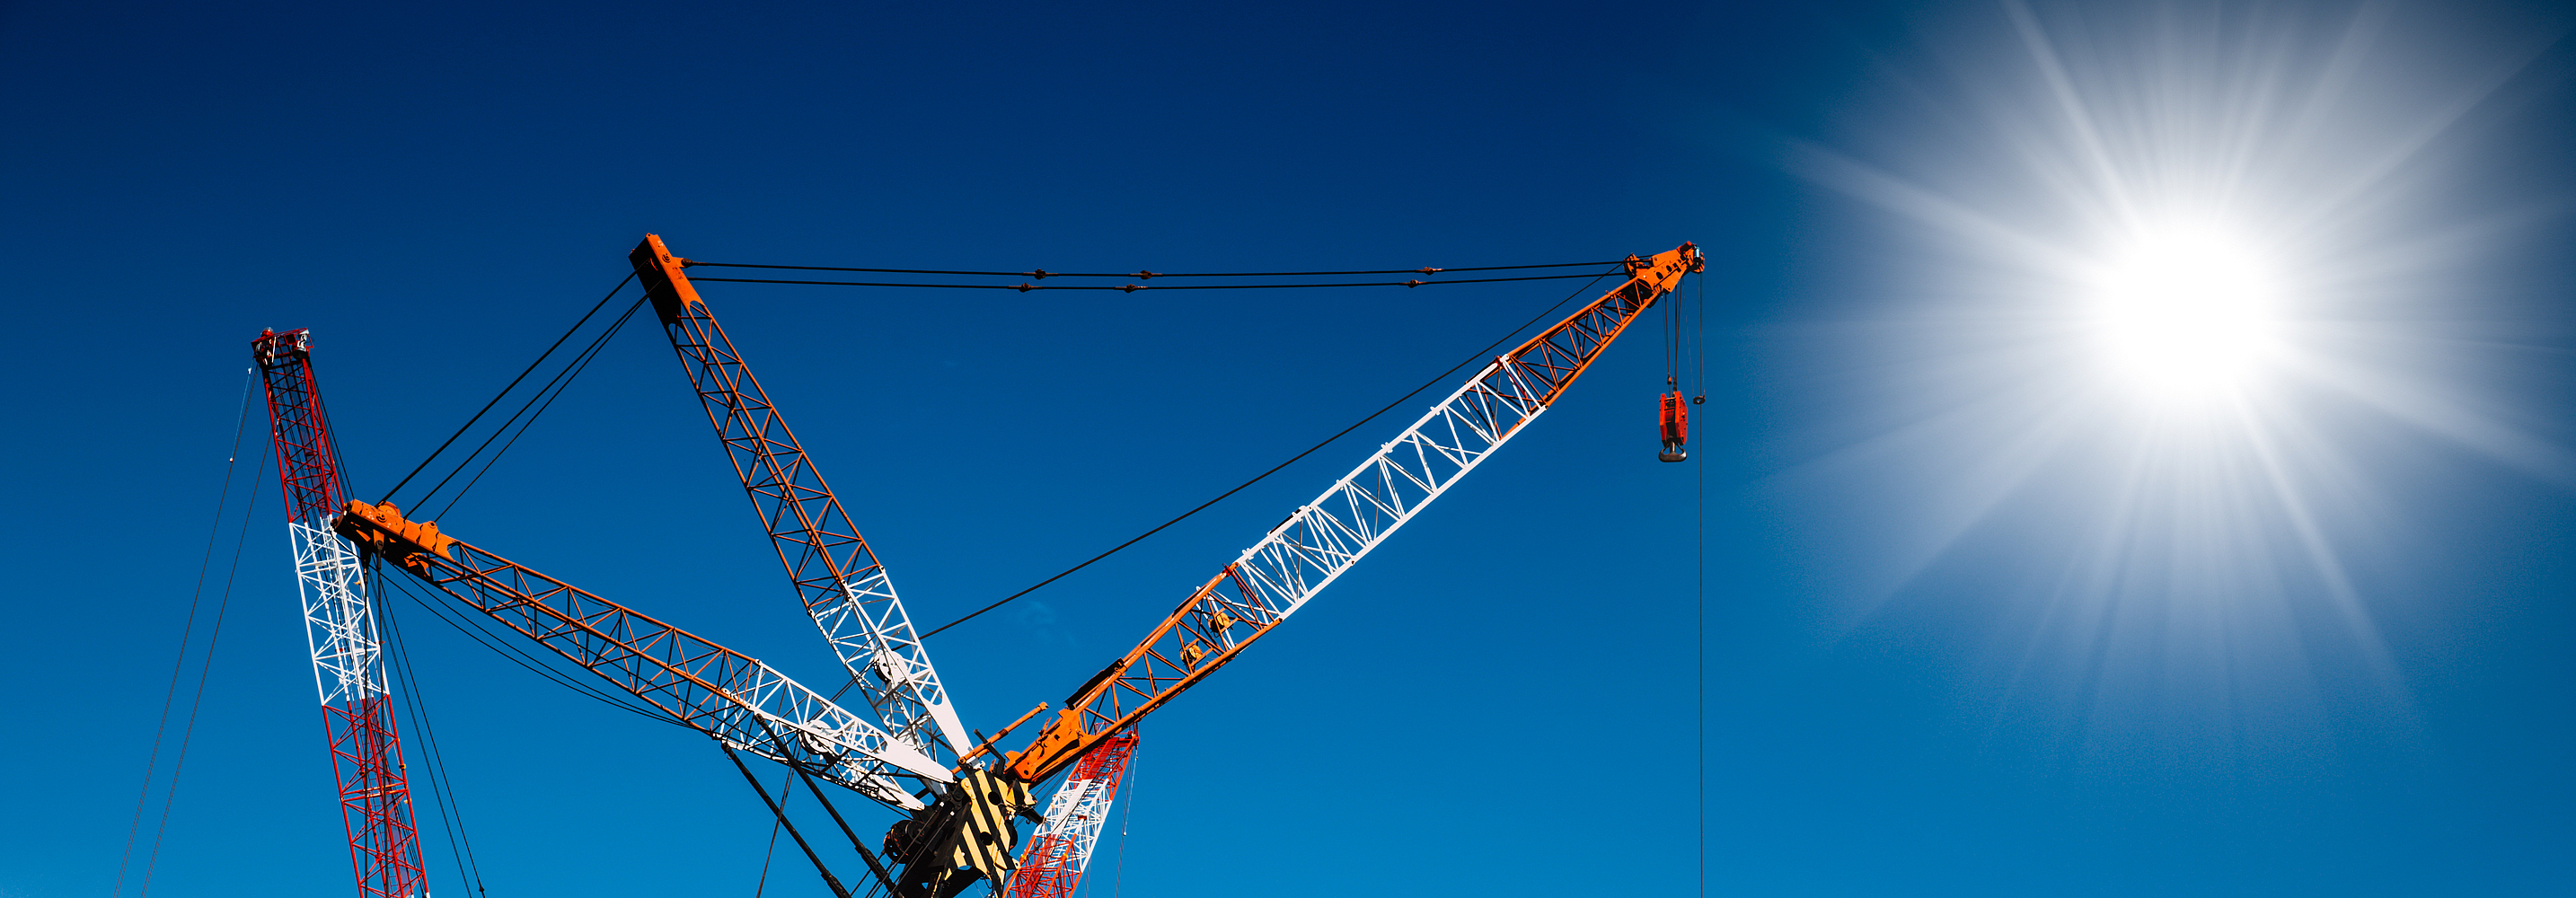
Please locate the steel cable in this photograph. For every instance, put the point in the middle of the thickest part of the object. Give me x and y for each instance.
(1310, 450)
(442, 785)
(505, 390)
(1025, 287)
(1041, 273)
(562, 381)
(187, 633)
(205, 665)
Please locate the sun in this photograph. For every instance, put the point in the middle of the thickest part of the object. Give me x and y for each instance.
(2185, 312)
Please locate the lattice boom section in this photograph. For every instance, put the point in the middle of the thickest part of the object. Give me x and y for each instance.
(838, 578)
(704, 685)
(339, 626)
(1323, 538)
(1063, 845)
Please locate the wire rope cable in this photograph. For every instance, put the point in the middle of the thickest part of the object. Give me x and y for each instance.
(1040, 273)
(187, 633)
(562, 381)
(1699, 629)
(1025, 287)
(533, 663)
(442, 783)
(1257, 478)
(505, 390)
(771, 853)
(205, 665)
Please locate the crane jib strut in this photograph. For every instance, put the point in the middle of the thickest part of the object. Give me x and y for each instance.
(1322, 539)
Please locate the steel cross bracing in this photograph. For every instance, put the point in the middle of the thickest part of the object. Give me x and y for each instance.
(1322, 539)
(1062, 848)
(711, 688)
(339, 629)
(842, 585)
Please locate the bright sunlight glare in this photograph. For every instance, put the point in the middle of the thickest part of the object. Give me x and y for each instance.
(2185, 312)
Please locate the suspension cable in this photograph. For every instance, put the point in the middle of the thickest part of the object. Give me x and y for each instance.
(187, 632)
(523, 659)
(1025, 286)
(505, 390)
(562, 381)
(1041, 273)
(1310, 450)
(442, 784)
(205, 665)
(781, 814)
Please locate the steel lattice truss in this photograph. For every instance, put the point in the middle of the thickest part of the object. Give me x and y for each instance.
(1062, 847)
(842, 585)
(340, 629)
(711, 688)
(1323, 538)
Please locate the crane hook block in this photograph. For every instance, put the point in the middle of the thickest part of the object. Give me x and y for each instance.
(381, 529)
(1674, 421)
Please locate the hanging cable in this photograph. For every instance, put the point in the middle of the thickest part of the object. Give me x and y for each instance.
(205, 665)
(442, 784)
(770, 853)
(562, 381)
(187, 632)
(1257, 478)
(1025, 286)
(1126, 812)
(1041, 273)
(1700, 603)
(505, 390)
(781, 813)
(532, 663)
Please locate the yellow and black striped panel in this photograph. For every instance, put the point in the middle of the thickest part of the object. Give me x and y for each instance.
(986, 838)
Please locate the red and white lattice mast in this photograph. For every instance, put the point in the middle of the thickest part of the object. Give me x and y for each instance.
(340, 628)
(1056, 858)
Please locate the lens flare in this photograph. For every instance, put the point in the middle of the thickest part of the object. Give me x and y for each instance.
(2184, 312)
(2173, 303)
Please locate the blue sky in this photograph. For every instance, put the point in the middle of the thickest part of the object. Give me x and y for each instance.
(1983, 616)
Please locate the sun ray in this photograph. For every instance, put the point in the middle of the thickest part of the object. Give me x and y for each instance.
(2177, 288)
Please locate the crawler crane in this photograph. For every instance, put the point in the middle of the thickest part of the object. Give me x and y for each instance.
(965, 835)
(960, 799)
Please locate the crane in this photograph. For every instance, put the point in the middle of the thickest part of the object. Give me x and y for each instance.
(1296, 559)
(339, 628)
(837, 577)
(1061, 848)
(963, 833)
(1320, 540)
(740, 701)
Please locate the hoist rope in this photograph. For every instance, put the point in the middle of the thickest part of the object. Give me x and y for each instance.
(520, 657)
(1310, 450)
(187, 633)
(562, 381)
(1040, 273)
(770, 853)
(781, 813)
(1025, 287)
(1700, 602)
(205, 665)
(442, 785)
(505, 390)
